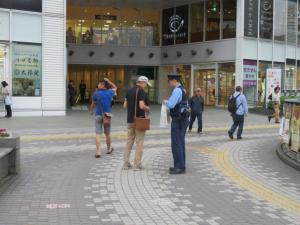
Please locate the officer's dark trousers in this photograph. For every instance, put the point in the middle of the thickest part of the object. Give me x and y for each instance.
(178, 131)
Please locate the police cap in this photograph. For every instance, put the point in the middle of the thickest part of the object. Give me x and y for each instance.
(174, 77)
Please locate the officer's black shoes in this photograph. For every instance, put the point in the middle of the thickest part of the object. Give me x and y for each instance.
(176, 171)
(171, 169)
(230, 135)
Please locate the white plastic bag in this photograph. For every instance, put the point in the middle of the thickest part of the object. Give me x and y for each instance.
(164, 117)
(7, 100)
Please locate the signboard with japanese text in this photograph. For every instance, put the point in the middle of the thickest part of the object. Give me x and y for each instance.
(251, 18)
(250, 80)
(273, 80)
(295, 126)
(26, 70)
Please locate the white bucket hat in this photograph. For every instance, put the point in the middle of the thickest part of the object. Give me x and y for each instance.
(144, 79)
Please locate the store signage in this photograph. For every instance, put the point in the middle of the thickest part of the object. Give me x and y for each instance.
(105, 17)
(27, 69)
(266, 19)
(175, 25)
(273, 80)
(251, 18)
(295, 128)
(249, 73)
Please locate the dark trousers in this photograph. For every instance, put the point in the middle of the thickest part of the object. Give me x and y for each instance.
(71, 100)
(8, 111)
(178, 131)
(199, 119)
(82, 97)
(238, 121)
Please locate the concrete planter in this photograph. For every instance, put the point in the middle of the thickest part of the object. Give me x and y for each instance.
(9, 156)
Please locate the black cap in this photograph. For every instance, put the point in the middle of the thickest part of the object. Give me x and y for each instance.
(174, 77)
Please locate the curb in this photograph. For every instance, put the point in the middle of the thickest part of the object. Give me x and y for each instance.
(288, 156)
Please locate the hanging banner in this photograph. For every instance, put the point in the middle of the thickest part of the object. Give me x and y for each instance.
(266, 19)
(251, 18)
(273, 80)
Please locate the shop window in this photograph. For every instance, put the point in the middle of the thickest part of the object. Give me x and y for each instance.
(280, 20)
(185, 72)
(251, 18)
(292, 21)
(298, 22)
(290, 75)
(250, 80)
(261, 85)
(197, 21)
(26, 70)
(266, 19)
(111, 26)
(226, 82)
(167, 35)
(26, 5)
(213, 20)
(181, 28)
(229, 19)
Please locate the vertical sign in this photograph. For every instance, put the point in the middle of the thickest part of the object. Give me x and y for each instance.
(273, 80)
(251, 18)
(167, 34)
(180, 24)
(295, 126)
(250, 80)
(266, 19)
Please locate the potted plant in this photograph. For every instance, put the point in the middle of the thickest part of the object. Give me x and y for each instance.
(3, 133)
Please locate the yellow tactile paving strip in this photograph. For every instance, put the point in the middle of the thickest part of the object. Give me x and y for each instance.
(122, 135)
(222, 162)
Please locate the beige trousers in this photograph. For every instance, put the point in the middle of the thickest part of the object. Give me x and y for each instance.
(276, 106)
(138, 136)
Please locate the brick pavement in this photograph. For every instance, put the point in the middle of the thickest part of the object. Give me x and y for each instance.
(227, 182)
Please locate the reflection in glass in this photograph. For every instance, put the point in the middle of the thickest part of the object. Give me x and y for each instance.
(197, 21)
(280, 20)
(185, 72)
(226, 81)
(290, 75)
(261, 88)
(282, 67)
(113, 26)
(298, 75)
(213, 20)
(292, 21)
(229, 19)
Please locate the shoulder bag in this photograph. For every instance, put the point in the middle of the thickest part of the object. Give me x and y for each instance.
(140, 123)
(106, 117)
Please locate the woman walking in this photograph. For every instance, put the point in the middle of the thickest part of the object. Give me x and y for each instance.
(7, 99)
(275, 101)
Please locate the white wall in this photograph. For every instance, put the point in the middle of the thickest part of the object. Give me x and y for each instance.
(54, 61)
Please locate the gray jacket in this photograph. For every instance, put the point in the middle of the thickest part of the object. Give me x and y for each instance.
(196, 104)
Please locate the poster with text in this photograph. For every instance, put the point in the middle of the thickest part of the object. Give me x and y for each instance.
(266, 19)
(295, 126)
(26, 70)
(273, 80)
(250, 80)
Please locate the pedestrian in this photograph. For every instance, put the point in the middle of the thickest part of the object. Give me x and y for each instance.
(136, 103)
(82, 90)
(197, 106)
(7, 99)
(72, 93)
(102, 103)
(238, 108)
(275, 102)
(179, 112)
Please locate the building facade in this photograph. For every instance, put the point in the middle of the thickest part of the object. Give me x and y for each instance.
(32, 55)
(213, 44)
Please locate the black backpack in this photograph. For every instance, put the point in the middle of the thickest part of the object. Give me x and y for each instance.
(232, 108)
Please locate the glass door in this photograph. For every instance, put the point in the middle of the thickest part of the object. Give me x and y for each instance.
(226, 82)
(206, 80)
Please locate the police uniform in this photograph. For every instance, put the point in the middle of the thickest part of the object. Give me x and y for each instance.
(178, 105)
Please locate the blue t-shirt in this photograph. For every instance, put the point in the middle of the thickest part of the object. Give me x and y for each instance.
(103, 97)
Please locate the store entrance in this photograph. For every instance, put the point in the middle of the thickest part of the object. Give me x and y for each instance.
(206, 80)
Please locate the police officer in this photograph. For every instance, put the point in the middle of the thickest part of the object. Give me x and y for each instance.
(179, 111)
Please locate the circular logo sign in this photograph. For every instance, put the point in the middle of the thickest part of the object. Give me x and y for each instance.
(175, 23)
(267, 5)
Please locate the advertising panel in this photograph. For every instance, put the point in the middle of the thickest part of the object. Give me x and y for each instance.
(26, 70)
(175, 25)
(251, 18)
(250, 80)
(295, 126)
(273, 80)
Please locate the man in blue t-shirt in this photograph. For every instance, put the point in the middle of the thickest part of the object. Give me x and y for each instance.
(102, 99)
